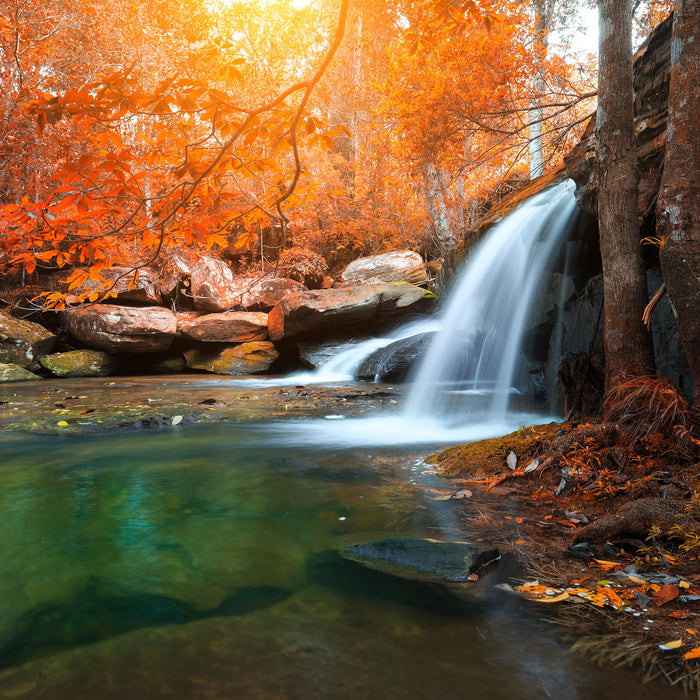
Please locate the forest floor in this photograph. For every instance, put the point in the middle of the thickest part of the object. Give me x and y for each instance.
(603, 526)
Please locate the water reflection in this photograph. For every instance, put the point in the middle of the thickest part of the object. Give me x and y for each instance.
(198, 564)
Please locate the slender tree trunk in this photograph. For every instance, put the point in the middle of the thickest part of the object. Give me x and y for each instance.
(543, 11)
(437, 208)
(678, 206)
(627, 343)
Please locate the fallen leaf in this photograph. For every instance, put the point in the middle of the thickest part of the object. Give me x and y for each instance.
(606, 565)
(692, 654)
(176, 420)
(665, 594)
(555, 599)
(62, 423)
(532, 466)
(511, 460)
(675, 644)
(693, 632)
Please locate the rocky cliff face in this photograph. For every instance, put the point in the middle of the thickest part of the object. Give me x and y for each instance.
(651, 78)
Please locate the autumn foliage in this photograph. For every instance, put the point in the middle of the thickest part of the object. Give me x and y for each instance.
(255, 127)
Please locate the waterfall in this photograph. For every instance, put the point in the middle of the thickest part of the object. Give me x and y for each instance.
(471, 363)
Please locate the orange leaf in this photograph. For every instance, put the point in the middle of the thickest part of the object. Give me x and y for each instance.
(692, 654)
(666, 594)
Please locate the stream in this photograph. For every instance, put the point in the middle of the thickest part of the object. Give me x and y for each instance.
(199, 562)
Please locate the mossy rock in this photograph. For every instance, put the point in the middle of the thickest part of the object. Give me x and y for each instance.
(80, 363)
(10, 372)
(239, 360)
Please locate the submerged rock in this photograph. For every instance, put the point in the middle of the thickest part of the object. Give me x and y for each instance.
(80, 363)
(10, 372)
(247, 358)
(21, 342)
(422, 559)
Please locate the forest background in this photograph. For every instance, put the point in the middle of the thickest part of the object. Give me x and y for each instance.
(282, 135)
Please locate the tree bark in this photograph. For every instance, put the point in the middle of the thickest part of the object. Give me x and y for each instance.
(627, 344)
(678, 205)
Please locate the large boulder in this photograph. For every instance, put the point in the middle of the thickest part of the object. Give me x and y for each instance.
(21, 342)
(264, 293)
(80, 363)
(122, 328)
(175, 268)
(226, 327)
(11, 372)
(214, 287)
(397, 266)
(247, 358)
(332, 310)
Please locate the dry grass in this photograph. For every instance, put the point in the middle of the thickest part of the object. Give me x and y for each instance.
(646, 406)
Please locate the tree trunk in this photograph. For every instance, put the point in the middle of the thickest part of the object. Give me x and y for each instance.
(543, 11)
(678, 205)
(627, 344)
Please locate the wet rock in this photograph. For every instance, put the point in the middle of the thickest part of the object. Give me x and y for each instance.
(247, 358)
(651, 81)
(215, 287)
(10, 372)
(422, 559)
(394, 362)
(80, 363)
(334, 309)
(122, 328)
(397, 266)
(669, 356)
(227, 327)
(21, 342)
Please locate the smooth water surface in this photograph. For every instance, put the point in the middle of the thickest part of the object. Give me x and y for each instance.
(199, 563)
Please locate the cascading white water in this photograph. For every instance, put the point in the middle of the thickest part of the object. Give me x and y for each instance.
(479, 342)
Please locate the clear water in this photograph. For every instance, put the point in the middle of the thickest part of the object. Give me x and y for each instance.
(197, 563)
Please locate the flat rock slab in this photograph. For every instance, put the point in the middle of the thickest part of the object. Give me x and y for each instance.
(334, 309)
(226, 327)
(421, 559)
